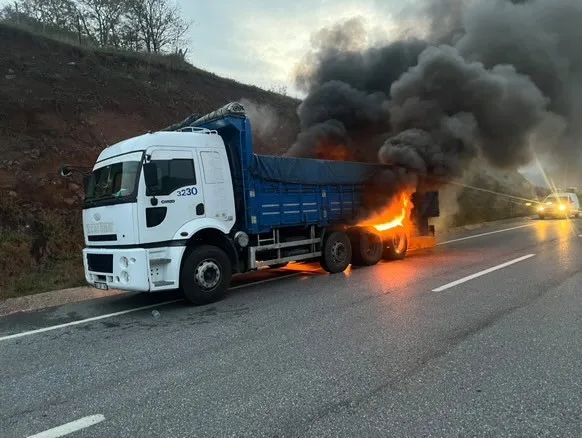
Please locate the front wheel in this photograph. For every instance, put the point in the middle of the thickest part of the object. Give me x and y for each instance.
(336, 252)
(395, 244)
(205, 275)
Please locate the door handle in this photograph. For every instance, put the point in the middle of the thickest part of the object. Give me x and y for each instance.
(200, 209)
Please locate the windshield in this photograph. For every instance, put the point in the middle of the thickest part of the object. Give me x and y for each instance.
(559, 199)
(118, 180)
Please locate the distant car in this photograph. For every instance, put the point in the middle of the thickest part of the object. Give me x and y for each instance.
(563, 205)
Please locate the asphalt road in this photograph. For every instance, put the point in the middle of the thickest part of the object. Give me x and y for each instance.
(480, 337)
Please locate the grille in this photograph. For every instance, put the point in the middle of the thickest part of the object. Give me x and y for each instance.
(100, 263)
(102, 238)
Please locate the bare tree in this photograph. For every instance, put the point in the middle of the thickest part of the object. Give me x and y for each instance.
(154, 26)
(49, 15)
(159, 24)
(101, 20)
(279, 89)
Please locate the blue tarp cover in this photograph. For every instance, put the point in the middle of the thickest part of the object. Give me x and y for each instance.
(312, 171)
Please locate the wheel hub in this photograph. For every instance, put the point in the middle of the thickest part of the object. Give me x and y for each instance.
(338, 252)
(207, 274)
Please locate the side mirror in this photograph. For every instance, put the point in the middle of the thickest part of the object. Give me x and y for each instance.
(150, 174)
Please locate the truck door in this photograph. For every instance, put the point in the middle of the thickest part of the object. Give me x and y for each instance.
(176, 199)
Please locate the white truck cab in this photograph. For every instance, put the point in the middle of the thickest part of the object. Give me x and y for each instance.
(135, 234)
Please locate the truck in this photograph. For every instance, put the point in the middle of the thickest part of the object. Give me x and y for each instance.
(191, 205)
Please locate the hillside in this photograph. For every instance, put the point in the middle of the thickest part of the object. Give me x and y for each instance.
(60, 103)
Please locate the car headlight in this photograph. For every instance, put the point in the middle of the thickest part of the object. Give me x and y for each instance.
(541, 208)
(123, 262)
(562, 207)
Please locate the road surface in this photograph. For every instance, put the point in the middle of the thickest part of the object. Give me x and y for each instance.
(481, 337)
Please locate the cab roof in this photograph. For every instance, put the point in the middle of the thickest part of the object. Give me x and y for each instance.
(191, 138)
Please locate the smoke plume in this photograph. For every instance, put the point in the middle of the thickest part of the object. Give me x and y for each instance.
(497, 80)
(263, 117)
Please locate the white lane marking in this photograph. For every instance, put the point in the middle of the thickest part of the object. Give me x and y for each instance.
(71, 427)
(82, 321)
(124, 312)
(479, 274)
(485, 234)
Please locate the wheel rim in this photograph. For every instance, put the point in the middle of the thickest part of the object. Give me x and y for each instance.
(398, 242)
(207, 274)
(338, 252)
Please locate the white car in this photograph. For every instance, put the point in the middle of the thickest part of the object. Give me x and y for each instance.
(562, 205)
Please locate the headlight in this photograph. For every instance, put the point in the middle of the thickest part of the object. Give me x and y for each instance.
(125, 276)
(540, 208)
(562, 207)
(123, 262)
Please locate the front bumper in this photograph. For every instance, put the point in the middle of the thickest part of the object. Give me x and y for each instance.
(556, 213)
(124, 269)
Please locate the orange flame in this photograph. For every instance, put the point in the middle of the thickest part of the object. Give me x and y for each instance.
(393, 216)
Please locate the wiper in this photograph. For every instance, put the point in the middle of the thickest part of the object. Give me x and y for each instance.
(94, 199)
(107, 196)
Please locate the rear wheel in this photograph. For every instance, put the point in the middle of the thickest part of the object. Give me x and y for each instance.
(395, 244)
(205, 275)
(366, 247)
(336, 253)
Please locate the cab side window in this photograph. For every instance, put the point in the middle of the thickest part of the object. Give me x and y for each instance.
(173, 175)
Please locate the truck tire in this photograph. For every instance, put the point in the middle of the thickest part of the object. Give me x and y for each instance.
(366, 247)
(336, 252)
(205, 275)
(395, 244)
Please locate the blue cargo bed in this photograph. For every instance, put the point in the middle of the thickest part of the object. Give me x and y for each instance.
(275, 192)
(285, 191)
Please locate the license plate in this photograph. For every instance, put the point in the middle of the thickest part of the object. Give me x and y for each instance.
(102, 286)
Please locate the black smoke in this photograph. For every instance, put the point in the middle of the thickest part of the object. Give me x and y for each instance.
(493, 79)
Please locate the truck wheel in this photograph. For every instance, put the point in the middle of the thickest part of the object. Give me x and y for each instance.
(336, 253)
(367, 247)
(205, 275)
(395, 244)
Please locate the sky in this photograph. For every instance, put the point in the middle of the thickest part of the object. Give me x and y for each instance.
(260, 42)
